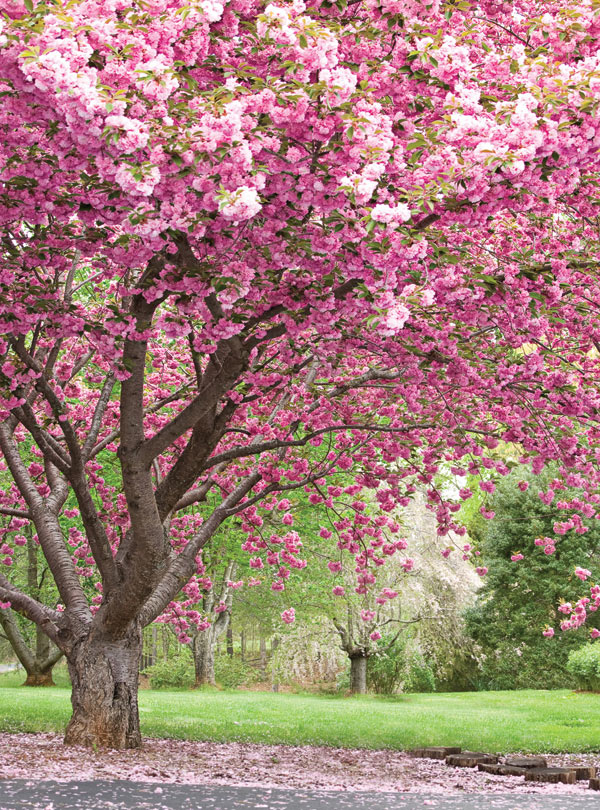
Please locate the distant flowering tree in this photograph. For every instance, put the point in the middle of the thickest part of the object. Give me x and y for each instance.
(232, 231)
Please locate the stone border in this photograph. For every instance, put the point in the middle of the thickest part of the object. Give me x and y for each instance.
(533, 769)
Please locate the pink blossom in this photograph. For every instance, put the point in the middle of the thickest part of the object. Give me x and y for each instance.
(391, 214)
(241, 204)
(289, 616)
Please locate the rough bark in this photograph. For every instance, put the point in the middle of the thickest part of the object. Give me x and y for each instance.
(358, 674)
(229, 640)
(104, 675)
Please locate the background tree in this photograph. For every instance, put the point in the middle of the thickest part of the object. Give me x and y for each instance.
(32, 647)
(531, 578)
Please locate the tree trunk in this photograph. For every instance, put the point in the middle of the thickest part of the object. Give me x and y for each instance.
(274, 645)
(358, 674)
(243, 645)
(104, 675)
(203, 648)
(154, 644)
(263, 656)
(230, 640)
(39, 678)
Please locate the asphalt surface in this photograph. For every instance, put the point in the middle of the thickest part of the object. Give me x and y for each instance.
(19, 794)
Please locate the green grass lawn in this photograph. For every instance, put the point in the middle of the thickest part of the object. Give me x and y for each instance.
(533, 721)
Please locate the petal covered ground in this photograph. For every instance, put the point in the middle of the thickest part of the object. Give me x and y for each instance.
(43, 756)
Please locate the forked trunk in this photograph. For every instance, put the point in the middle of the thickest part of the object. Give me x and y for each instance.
(104, 676)
(358, 674)
(39, 678)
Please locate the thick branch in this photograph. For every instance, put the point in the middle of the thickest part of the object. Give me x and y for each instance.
(139, 567)
(115, 434)
(53, 658)
(99, 411)
(48, 445)
(20, 513)
(46, 618)
(198, 494)
(48, 529)
(224, 369)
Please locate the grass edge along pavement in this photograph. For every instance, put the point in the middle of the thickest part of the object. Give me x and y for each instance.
(533, 721)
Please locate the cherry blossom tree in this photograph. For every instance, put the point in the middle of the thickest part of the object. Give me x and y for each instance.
(235, 231)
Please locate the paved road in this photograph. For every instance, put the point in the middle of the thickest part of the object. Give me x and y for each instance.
(118, 795)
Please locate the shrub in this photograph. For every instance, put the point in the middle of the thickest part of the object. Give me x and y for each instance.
(387, 667)
(584, 665)
(401, 667)
(420, 676)
(176, 672)
(231, 673)
(342, 682)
